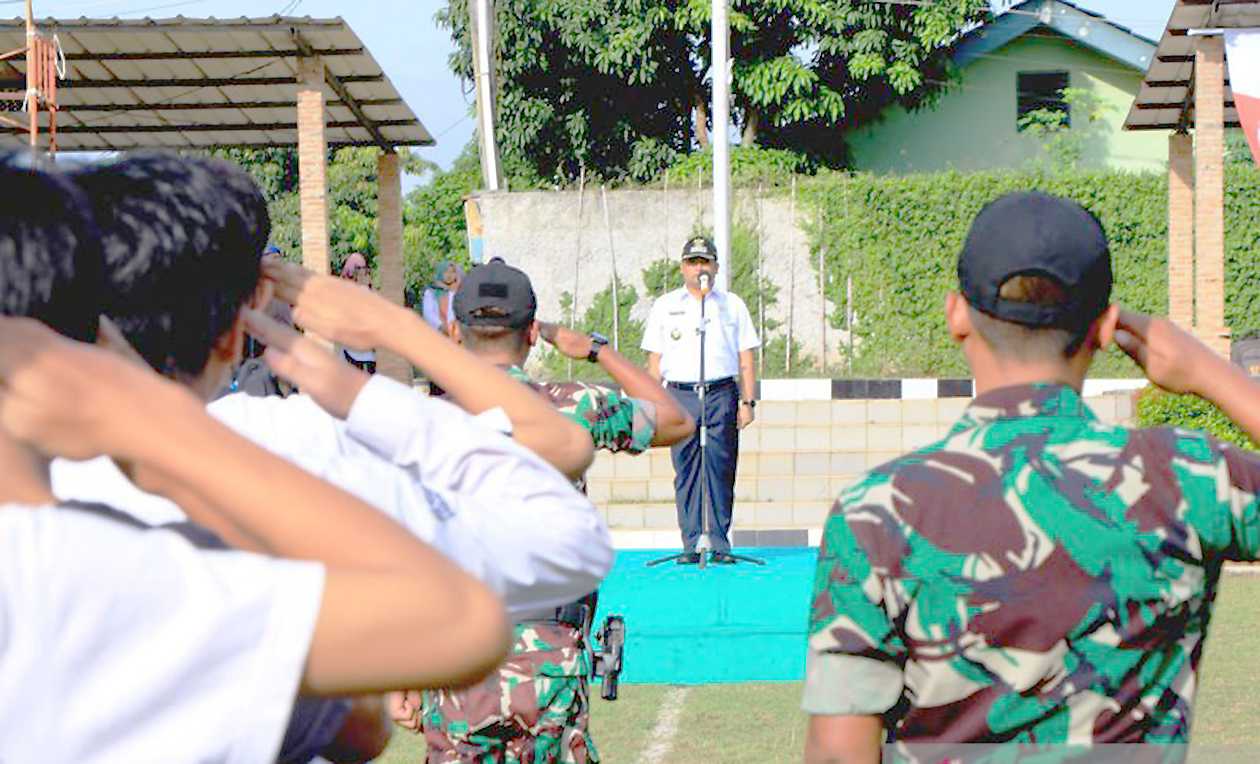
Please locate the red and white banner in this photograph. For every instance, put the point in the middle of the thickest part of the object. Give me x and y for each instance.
(1242, 51)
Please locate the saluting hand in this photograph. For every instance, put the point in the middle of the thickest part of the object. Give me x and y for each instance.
(338, 310)
(571, 343)
(73, 400)
(1172, 358)
(304, 363)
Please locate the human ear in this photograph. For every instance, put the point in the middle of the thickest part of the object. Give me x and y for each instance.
(1105, 326)
(263, 293)
(230, 346)
(958, 317)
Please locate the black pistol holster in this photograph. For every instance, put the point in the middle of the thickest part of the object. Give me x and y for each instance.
(609, 655)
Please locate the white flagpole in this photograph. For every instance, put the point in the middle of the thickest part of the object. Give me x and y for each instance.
(720, 138)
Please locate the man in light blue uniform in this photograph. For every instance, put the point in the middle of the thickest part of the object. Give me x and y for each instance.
(672, 340)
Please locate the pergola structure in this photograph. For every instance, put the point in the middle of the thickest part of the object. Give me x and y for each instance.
(1187, 86)
(202, 83)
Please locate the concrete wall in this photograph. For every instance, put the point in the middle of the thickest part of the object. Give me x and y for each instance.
(541, 233)
(973, 127)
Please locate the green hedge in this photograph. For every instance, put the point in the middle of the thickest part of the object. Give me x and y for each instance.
(1157, 408)
(899, 237)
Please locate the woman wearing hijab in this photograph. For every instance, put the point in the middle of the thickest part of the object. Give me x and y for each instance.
(356, 269)
(437, 306)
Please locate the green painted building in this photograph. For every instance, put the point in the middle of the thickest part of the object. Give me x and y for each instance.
(1020, 62)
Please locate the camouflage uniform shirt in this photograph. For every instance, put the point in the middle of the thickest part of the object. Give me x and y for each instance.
(536, 708)
(616, 422)
(1036, 576)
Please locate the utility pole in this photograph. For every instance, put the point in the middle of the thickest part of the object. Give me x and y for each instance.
(481, 27)
(720, 139)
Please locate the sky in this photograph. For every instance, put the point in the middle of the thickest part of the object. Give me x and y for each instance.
(413, 50)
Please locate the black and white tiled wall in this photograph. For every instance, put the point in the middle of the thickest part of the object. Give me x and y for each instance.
(903, 389)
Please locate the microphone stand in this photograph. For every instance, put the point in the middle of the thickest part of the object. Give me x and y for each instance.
(704, 544)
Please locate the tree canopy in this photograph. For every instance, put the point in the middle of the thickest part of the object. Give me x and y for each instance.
(620, 87)
(433, 214)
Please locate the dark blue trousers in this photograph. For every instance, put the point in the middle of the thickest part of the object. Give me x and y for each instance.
(721, 457)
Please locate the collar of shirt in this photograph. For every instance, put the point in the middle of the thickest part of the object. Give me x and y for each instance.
(99, 481)
(684, 297)
(1025, 401)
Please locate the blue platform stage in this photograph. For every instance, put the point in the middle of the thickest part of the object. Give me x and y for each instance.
(727, 623)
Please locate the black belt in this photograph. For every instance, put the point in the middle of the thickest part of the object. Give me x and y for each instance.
(691, 387)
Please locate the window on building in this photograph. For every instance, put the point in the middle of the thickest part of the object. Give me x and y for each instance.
(1042, 90)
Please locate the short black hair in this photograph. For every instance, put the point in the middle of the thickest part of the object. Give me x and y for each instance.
(183, 237)
(481, 338)
(1028, 343)
(50, 259)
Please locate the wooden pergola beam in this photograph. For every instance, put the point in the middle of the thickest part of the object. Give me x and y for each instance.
(209, 55)
(202, 82)
(193, 128)
(1176, 105)
(125, 107)
(337, 85)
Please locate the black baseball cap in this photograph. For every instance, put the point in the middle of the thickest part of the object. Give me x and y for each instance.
(496, 285)
(699, 246)
(1035, 234)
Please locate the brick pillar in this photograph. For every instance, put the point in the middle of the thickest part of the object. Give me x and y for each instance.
(1209, 197)
(389, 258)
(1181, 229)
(312, 165)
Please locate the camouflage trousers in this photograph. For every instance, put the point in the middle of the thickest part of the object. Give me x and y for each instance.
(534, 710)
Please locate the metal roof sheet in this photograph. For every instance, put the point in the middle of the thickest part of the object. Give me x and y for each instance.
(196, 83)
(1166, 99)
(1083, 26)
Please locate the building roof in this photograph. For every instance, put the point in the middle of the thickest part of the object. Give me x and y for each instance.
(196, 83)
(1085, 27)
(1166, 99)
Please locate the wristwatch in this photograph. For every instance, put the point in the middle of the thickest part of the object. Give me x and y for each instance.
(598, 341)
(750, 403)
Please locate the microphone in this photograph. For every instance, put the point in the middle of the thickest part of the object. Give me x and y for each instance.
(706, 283)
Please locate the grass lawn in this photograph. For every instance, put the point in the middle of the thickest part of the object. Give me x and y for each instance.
(762, 723)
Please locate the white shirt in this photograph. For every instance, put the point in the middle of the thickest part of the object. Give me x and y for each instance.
(125, 645)
(432, 310)
(491, 505)
(673, 330)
